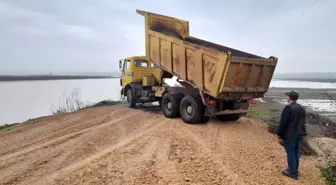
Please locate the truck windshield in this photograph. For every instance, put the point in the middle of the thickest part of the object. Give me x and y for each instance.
(141, 63)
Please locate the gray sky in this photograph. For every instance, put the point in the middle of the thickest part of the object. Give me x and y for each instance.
(92, 35)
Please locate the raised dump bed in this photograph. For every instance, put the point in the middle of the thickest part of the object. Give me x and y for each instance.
(219, 71)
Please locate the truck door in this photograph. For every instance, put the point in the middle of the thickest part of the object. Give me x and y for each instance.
(127, 73)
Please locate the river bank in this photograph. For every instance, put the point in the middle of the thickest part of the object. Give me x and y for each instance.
(320, 101)
(320, 123)
(321, 112)
(6, 78)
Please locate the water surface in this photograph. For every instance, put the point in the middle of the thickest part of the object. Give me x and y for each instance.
(22, 100)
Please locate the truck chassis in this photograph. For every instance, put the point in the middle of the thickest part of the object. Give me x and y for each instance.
(186, 102)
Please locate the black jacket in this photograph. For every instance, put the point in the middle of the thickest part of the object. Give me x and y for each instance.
(292, 121)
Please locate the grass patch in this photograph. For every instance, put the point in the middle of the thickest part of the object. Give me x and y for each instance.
(258, 112)
(329, 174)
(261, 112)
(6, 126)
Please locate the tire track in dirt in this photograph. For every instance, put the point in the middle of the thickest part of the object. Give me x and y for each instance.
(79, 164)
(155, 168)
(58, 129)
(101, 138)
(165, 169)
(25, 137)
(125, 165)
(61, 139)
(18, 159)
(24, 167)
(195, 159)
(74, 126)
(21, 174)
(95, 140)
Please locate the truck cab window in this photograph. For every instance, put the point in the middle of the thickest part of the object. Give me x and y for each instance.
(127, 65)
(141, 63)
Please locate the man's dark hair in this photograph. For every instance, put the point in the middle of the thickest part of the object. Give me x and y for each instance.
(292, 95)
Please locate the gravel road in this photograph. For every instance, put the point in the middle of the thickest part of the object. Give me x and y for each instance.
(117, 145)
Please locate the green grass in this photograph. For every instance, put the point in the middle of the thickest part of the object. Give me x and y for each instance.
(257, 112)
(261, 112)
(6, 126)
(330, 175)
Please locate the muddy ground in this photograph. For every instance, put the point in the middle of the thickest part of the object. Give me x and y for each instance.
(321, 101)
(321, 114)
(117, 145)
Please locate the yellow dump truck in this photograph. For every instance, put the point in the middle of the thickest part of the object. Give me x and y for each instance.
(214, 80)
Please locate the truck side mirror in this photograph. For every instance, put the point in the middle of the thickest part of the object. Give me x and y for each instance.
(120, 64)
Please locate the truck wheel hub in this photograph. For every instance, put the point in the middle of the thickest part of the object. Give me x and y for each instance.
(169, 105)
(189, 109)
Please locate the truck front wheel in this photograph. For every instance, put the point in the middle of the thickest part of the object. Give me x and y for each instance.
(170, 105)
(192, 110)
(130, 98)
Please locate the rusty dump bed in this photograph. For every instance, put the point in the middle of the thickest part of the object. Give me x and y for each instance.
(219, 71)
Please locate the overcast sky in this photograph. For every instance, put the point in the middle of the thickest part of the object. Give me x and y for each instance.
(92, 35)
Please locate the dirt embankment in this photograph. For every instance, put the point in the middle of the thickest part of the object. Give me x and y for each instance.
(117, 145)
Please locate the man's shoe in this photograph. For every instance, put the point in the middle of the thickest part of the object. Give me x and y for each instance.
(286, 173)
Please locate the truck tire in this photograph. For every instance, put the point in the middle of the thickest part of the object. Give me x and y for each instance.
(192, 110)
(130, 98)
(170, 105)
(229, 117)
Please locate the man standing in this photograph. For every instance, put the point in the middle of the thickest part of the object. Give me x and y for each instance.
(291, 131)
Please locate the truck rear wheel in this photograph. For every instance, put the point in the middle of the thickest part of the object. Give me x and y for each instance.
(170, 105)
(192, 110)
(130, 98)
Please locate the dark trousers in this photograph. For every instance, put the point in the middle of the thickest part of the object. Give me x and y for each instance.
(292, 147)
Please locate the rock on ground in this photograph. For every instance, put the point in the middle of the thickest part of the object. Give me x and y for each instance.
(117, 145)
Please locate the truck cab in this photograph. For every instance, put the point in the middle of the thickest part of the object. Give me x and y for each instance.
(138, 71)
